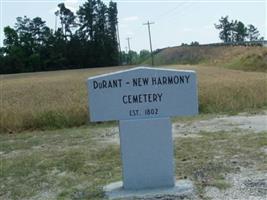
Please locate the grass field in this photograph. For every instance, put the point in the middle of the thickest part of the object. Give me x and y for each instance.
(59, 99)
(76, 163)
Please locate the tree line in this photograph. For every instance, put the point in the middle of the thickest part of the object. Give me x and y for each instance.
(236, 31)
(87, 38)
(233, 31)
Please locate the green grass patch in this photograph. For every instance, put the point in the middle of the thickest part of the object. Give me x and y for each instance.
(250, 62)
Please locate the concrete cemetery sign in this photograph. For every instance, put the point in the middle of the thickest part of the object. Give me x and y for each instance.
(144, 99)
(142, 93)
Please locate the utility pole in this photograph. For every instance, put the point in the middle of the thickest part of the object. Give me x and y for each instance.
(129, 50)
(56, 17)
(150, 41)
(119, 43)
(128, 39)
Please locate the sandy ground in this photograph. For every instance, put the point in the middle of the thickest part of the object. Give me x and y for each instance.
(248, 184)
(242, 122)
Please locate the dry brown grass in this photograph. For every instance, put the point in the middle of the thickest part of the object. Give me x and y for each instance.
(46, 99)
(59, 99)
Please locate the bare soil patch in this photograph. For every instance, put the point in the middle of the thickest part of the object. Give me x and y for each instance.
(249, 184)
(242, 123)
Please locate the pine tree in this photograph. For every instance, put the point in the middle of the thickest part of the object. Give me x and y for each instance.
(253, 33)
(240, 32)
(225, 27)
(112, 31)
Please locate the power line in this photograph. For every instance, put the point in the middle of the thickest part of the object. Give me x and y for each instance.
(150, 41)
(179, 9)
(168, 12)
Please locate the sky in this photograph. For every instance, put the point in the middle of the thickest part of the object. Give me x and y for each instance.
(175, 21)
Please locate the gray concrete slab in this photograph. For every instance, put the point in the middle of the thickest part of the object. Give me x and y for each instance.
(182, 188)
(147, 153)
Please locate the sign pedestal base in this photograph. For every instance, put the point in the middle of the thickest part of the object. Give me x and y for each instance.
(182, 188)
(147, 153)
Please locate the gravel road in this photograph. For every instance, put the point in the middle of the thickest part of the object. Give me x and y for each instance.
(249, 183)
(243, 122)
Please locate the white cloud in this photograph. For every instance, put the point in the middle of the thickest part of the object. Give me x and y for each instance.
(131, 18)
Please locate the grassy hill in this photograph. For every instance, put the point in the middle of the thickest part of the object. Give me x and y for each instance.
(248, 58)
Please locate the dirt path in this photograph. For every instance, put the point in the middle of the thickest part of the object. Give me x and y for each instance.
(247, 184)
(242, 122)
(250, 183)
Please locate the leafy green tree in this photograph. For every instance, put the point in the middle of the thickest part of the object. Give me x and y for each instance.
(26, 39)
(225, 27)
(2, 52)
(253, 33)
(40, 32)
(233, 25)
(100, 36)
(98, 28)
(143, 55)
(57, 49)
(90, 41)
(112, 46)
(87, 18)
(184, 44)
(86, 31)
(11, 38)
(15, 57)
(236, 31)
(124, 57)
(133, 57)
(240, 32)
(194, 43)
(67, 19)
